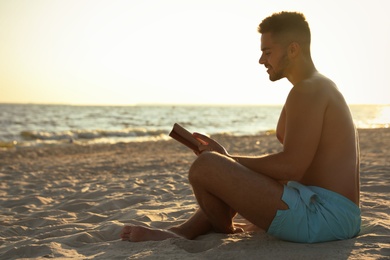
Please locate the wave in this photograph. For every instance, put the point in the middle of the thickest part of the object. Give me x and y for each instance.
(73, 135)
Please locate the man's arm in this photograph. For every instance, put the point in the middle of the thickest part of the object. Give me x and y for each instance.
(305, 108)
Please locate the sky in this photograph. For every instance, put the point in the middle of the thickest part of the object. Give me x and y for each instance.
(117, 52)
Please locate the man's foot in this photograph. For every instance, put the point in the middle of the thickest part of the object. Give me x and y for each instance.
(139, 233)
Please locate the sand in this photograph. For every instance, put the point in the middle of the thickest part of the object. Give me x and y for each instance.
(71, 202)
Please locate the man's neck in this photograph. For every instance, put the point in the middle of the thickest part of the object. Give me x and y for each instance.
(301, 71)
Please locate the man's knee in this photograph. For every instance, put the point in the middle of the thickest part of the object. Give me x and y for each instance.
(203, 166)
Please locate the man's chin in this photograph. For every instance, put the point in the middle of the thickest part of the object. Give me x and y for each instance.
(273, 79)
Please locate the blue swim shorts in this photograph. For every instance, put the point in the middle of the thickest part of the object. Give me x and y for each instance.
(315, 215)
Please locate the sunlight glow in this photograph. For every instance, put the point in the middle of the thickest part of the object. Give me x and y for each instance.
(383, 117)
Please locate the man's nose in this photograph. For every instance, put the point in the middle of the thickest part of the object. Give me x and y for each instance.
(261, 60)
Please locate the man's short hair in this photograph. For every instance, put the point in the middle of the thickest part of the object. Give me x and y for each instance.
(287, 27)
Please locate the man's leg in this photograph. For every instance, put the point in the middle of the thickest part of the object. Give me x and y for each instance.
(224, 187)
(195, 226)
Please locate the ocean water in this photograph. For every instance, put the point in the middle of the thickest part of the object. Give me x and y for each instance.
(34, 125)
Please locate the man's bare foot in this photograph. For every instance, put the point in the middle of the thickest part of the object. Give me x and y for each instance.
(139, 233)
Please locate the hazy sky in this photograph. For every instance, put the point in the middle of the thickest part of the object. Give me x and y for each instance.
(166, 51)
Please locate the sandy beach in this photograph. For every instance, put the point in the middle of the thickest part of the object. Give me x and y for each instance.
(71, 202)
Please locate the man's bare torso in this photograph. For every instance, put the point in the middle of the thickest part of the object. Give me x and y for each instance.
(335, 165)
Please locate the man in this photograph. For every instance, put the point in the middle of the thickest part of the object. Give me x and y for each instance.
(308, 192)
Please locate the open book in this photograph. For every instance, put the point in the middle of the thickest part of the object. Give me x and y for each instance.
(182, 135)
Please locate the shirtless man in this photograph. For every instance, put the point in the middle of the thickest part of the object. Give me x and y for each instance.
(308, 192)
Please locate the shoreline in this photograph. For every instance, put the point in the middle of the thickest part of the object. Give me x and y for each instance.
(71, 202)
(9, 146)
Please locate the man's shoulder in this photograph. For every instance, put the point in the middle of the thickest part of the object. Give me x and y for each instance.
(316, 82)
(315, 88)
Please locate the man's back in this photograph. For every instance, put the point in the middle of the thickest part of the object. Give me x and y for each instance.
(335, 165)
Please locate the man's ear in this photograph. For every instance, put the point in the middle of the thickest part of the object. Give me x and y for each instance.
(294, 49)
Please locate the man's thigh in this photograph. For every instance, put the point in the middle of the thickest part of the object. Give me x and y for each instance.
(253, 195)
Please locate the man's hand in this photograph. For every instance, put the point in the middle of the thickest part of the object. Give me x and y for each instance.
(208, 144)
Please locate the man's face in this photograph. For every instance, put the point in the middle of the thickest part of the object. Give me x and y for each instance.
(273, 57)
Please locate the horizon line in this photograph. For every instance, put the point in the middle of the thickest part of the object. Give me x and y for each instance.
(165, 104)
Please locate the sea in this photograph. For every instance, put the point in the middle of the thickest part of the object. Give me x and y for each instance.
(30, 125)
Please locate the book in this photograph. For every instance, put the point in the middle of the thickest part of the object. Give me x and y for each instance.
(183, 136)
